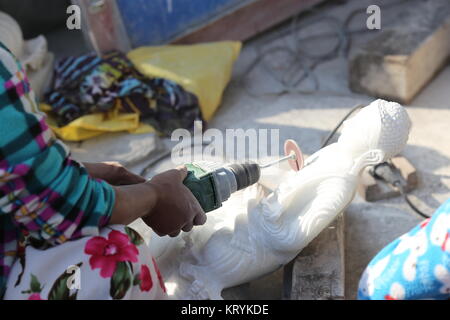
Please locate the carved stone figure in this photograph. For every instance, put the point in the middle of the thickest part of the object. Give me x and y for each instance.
(259, 230)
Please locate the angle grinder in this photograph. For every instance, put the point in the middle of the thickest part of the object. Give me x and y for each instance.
(213, 183)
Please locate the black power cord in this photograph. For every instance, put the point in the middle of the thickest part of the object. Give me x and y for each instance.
(332, 133)
(412, 206)
(391, 175)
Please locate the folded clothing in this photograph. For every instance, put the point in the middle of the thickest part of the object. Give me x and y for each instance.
(90, 84)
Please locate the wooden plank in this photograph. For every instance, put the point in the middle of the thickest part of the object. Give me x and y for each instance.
(398, 63)
(246, 21)
(318, 272)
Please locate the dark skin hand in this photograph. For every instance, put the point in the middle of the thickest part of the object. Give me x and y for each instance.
(176, 208)
(164, 203)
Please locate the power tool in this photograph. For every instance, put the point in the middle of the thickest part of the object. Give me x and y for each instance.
(212, 184)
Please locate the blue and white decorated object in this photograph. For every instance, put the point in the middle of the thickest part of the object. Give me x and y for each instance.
(414, 266)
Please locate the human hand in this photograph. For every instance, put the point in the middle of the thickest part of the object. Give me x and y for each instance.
(175, 207)
(113, 173)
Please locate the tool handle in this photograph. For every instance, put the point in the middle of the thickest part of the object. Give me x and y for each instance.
(202, 187)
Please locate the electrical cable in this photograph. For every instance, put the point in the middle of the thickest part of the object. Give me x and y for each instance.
(391, 175)
(336, 128)
(411, 205)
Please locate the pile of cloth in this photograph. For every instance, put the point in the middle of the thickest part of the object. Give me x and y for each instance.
(149, 89)
(89, 84)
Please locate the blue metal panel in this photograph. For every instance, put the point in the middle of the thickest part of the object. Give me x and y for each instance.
(158, 21)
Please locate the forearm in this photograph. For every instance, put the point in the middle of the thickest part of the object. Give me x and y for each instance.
(113, 173)
(132, 202)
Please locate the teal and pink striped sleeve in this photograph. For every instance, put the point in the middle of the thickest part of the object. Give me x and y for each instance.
(46, 194)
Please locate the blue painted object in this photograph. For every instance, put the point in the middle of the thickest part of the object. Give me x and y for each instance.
(152, 22)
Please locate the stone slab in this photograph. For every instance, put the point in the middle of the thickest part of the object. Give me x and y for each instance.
(402, 59)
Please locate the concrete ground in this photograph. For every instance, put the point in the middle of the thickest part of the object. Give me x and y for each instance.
(308, 118)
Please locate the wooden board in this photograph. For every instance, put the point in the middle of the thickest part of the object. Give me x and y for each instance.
(246, 21)
(399, 63)
(318, 272)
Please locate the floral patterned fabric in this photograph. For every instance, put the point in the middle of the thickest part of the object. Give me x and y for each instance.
(114, 265)
(414, 266)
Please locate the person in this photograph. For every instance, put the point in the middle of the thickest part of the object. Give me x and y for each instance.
(414, 266)
(63, 223)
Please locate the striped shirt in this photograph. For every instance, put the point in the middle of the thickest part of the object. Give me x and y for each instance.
(46, 198)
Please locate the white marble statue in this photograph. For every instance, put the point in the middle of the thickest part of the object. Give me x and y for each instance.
(260, 229)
